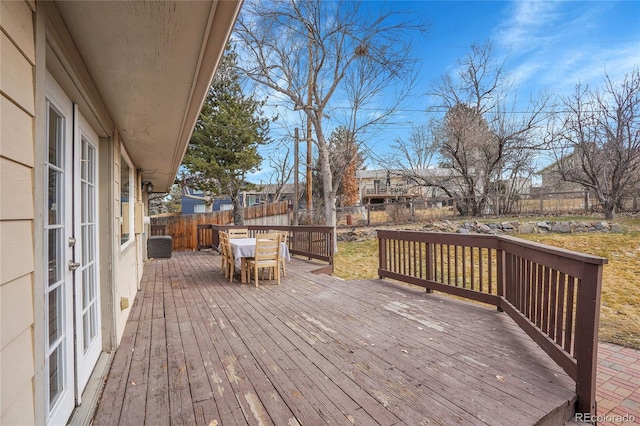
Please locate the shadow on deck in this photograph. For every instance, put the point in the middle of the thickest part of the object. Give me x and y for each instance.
(318, 350)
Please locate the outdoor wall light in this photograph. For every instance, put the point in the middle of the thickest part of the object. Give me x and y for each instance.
(147, 186)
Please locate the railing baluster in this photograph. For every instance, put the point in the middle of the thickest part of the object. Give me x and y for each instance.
(539, 301)
(553, 304)
(464, 269)
(489, 268)
(455, 265)
(568, 327)
(481, 267)
(473, 270)
(560, 309)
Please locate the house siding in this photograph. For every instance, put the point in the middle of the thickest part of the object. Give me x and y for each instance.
(36, 51)
(17, 107)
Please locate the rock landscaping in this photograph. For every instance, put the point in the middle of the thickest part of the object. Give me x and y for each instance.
(513, 227)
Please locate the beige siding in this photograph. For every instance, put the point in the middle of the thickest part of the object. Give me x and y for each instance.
(16, 133)
(15, 186)
(15, 368)
(17, 105)
(16, 75)
(16, 249)
(16, 309)
(20, 412)
(17, 21)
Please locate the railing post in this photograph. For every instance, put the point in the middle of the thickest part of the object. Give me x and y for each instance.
(429, 265)
(586, 343)
(330, 245)
(500, 275)
(382, 254)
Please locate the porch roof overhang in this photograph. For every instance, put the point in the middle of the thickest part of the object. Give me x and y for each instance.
(152, 63)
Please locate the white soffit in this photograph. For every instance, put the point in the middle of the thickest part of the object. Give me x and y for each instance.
(152, 63)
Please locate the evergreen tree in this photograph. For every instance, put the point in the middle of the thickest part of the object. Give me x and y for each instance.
(224, 146)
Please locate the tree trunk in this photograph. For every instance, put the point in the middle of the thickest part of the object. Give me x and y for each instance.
(610, 211)
(238, 211)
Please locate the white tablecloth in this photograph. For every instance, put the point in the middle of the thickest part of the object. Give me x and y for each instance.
(246, 247)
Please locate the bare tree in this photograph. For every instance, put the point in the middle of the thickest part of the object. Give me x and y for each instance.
(282, 170)
(598, 140)
(321, 56)
(345, 158)
(484, 136)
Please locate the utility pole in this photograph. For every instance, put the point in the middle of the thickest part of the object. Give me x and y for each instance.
(295, 177)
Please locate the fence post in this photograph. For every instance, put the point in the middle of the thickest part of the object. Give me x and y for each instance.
(586, 201)
(541, 203)
(586, 343)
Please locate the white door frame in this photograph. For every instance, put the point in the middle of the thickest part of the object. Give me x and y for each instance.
(67, 364)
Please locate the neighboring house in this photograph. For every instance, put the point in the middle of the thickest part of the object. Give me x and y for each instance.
(381, 186)
(552, 183)
(267, 193)
(264, 195)
(195, 205)
(98, 102)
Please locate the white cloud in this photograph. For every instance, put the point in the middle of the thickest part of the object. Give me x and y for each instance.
(558, 44)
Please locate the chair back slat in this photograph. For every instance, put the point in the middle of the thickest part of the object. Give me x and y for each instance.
(238, 233)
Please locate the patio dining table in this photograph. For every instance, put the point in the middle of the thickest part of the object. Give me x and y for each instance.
(244, 248)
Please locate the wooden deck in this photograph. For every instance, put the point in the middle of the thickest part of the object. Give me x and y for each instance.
(319, 350)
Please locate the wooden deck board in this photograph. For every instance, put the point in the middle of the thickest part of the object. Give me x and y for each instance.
(319, 350)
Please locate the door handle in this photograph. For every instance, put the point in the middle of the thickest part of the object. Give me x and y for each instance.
(73, 265)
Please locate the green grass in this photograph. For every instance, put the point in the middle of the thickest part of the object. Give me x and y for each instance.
(620, 304)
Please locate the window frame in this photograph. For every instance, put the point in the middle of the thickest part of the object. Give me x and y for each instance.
(124, 244)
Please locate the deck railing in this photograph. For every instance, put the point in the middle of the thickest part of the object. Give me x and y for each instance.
(313, 242)
(552, 294)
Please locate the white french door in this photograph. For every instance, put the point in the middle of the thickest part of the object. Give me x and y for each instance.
(87, 306)
(73, 341)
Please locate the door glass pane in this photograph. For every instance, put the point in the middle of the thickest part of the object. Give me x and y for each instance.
(85, 288)
(91, 211)
(91, 164)
(55, 375)
(54, 196)
(55, 259)
(84, 210)
(55, 317)
(94, 320)
(125, 196)
(86, 330)
(55, 137)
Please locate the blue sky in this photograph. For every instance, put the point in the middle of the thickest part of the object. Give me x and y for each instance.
(546, 45)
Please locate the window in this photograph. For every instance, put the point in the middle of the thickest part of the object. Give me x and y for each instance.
(199, 208)
(127, 198)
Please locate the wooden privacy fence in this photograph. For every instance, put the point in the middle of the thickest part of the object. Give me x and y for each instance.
(313, 242)
(183, 228)
(552, 294)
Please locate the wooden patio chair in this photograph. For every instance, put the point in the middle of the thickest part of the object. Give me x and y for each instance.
(229, 261)
(223, 236)
(267, 257)
(238, 233)
(284, 235)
